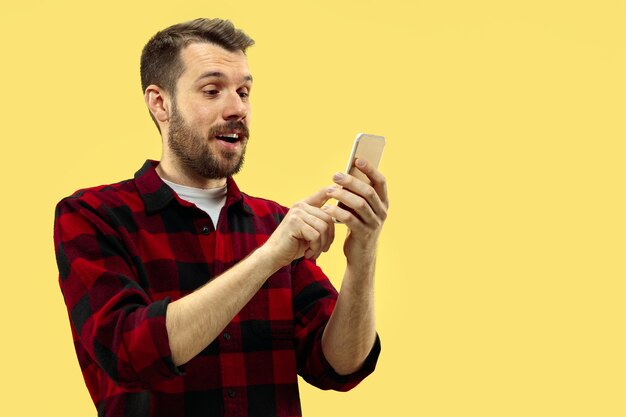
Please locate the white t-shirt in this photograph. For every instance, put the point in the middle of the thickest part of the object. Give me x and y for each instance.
(209, 200)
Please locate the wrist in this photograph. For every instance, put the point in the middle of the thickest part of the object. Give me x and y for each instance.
(268, 257)
(361, 256)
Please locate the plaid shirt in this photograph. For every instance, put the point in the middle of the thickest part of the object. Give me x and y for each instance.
(124, 251)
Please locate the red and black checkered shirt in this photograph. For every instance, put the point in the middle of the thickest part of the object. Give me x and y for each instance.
(126, 250)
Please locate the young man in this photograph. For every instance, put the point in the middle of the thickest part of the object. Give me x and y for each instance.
(188, 297)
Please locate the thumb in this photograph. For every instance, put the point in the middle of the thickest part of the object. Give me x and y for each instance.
(318, 199)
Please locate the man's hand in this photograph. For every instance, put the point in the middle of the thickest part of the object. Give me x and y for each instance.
(306, 230)
(367, 212)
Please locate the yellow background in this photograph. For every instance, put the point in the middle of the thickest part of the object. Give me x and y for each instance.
(501, 275)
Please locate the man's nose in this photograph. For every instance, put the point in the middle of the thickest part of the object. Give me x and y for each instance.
(235, 108)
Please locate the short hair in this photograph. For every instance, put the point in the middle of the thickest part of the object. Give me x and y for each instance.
(160, 58)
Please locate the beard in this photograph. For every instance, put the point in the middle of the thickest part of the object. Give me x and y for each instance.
(192, 149)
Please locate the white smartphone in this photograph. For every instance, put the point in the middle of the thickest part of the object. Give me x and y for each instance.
(368, 147)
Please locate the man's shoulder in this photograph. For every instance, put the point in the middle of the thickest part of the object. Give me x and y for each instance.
(122, 193)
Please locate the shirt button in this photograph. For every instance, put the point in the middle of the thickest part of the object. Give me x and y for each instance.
(206, 230)
(231, 393)
(226, 335)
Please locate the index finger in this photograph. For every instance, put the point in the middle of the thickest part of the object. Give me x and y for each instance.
(379, 183)
(318, 199)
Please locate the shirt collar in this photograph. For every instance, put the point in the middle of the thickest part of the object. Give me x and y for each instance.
(156, 194)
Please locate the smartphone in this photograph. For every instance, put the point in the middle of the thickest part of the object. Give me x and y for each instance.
(368, 147)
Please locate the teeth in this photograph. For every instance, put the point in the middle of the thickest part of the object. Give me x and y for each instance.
(231, 135)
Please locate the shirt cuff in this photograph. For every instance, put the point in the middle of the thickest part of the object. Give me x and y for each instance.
(347, 382)
(148, 346)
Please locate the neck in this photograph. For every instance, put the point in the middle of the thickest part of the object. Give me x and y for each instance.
(176, 173)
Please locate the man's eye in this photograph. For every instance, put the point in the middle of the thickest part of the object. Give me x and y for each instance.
(211, 92)
(244, 94)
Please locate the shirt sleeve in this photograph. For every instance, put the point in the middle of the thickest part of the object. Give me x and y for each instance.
(314, 301)
(114, 321)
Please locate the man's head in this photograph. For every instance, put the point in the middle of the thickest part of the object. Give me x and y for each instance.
(161, 63)
(196, 84)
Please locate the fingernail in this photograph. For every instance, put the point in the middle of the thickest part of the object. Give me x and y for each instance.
(338, 176)
(360, 162)
(325, 208)
(331, 189)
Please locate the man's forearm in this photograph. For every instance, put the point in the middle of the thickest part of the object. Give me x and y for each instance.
(194, 321)
(351, 331)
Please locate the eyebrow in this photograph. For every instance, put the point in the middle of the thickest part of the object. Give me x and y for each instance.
(217, 74)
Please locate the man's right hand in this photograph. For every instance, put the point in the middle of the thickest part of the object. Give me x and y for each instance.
(307, 230)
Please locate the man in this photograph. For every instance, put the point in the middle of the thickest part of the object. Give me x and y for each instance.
(187, 297)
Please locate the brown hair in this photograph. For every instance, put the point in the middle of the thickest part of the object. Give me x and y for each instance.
(160, 59)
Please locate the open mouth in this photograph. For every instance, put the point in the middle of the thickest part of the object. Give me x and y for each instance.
(229, 137)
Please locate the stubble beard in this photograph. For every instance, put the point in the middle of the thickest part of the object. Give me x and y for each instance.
(192, 149)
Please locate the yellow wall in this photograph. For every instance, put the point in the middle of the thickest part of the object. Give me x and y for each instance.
(501, 276)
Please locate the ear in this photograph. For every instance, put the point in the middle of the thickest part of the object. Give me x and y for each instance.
(158, 103)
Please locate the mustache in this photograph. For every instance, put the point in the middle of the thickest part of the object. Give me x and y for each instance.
(228, 127)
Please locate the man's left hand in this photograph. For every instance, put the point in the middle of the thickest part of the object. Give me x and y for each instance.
(367, 210)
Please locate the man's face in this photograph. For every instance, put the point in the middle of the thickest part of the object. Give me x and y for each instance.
(210, 112)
